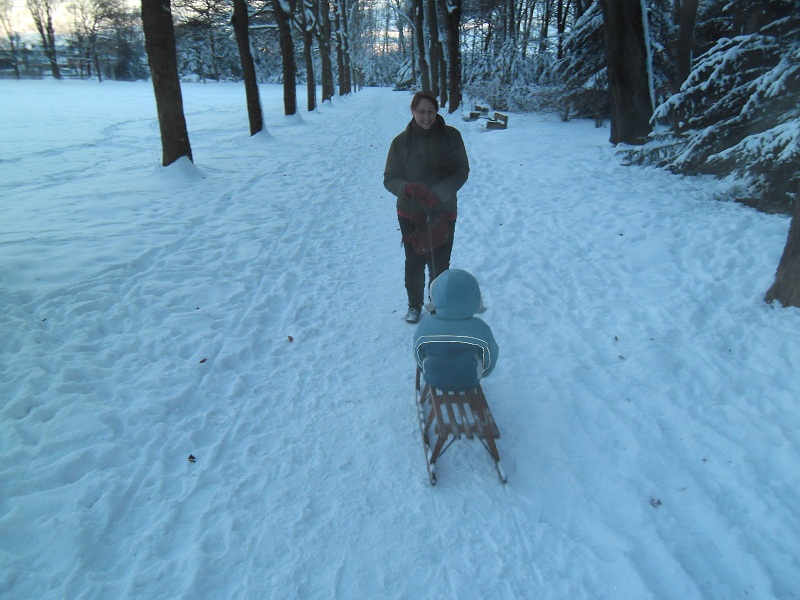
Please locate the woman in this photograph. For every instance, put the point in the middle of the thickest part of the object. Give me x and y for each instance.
(426, 166)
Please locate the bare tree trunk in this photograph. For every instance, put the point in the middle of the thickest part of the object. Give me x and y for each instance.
(413, 54)
(739, 18)
(324, 37)
(487, 40)
(339, 43)
(548, 11)
(440, 52)
(308, 42)
(512, 25)
(159, 41)
(420, 35)
(443, 92)
(287, 59)
(42, 14)
(526, 24)
(241, 29)
(401, 35)
(348, 63)
(212, 51)
(342, 46)
(683, 50)
(786, 288)
(12, 37)
(451, 10)
(628, 73)
(311, 81)
(561, 26)
(433, 45)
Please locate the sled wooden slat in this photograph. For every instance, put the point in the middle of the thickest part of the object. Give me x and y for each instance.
(454, 428)
(476, 422)
(447, 416)
(468, 425)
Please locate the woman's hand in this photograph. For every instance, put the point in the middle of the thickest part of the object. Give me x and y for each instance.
(421, 193)
(416, 191)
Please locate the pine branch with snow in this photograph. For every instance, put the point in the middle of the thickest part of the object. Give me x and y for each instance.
(738, 113)
(582, 72)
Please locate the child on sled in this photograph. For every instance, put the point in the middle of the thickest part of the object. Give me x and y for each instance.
(453, 348)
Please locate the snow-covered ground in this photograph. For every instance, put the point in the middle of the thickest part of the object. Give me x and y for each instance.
(248, 311)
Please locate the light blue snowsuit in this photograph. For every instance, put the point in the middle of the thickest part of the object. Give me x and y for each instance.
(454, 348)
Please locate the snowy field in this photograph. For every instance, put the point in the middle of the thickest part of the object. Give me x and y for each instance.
(248, 311)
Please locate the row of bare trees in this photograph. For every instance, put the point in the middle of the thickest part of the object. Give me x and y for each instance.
(506, 37)
(486, 47)
(321, 22)
(107, 31)
(42, 13)
(312, 40)
(436, 40)
(320, 42)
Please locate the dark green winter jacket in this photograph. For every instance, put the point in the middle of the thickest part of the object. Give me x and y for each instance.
(435, 157)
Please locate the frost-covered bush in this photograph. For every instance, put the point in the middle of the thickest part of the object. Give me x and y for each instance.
(518, 97)
(514, 89)
(404, 80)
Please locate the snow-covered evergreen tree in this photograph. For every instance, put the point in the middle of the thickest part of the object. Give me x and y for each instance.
(582, 74)
(739, 111)
(663, 32)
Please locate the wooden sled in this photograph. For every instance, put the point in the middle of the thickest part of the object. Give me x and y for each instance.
(445, 417)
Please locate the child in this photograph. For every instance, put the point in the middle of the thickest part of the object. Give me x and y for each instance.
(453, 348)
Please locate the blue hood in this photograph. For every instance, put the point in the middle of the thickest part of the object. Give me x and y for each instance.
(456, 295)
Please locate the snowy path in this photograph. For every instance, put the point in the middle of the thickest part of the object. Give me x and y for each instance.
(645, 394)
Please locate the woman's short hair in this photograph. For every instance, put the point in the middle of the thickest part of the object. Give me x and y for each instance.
(424, 96)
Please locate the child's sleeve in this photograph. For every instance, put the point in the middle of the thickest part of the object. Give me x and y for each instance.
(490, 361)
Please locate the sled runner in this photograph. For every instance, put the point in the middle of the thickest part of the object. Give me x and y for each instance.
(445, 417)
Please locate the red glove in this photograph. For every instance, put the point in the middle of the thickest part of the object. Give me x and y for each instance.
(416, 191)
(421, 193)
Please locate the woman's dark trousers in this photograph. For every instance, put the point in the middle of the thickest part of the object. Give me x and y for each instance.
(415, 263)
